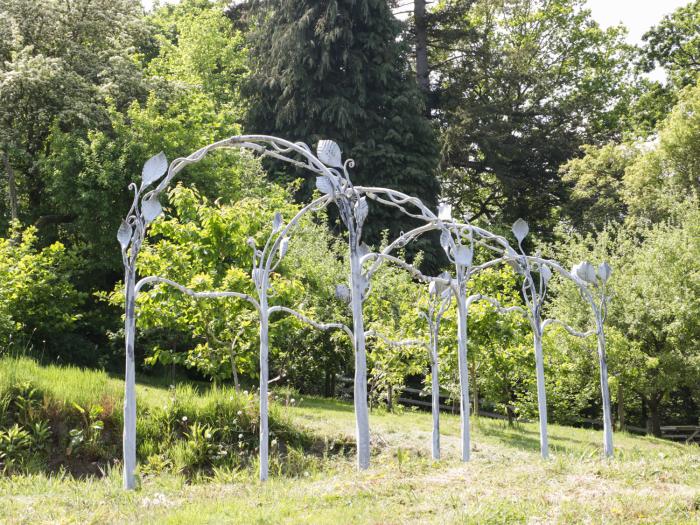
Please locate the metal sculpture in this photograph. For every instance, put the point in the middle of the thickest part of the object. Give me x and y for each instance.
(440, 298)
(534, 291)
(333, 181)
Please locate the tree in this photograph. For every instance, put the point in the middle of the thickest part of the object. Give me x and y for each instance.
(597, 183)
(203, 245)
(670, 169)
(337, 70)
(88, 176)
(674, 44)
(655, 304)
(197, 46)
(39, 304)
(517, 96)
(59, 62)
(638, 180)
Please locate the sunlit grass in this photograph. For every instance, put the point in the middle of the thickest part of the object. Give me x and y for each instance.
(648, 481)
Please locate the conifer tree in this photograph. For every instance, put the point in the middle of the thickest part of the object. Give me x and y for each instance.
(337, 69)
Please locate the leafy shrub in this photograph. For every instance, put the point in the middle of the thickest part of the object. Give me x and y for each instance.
(38, 299)
(85, 439)
(15, 445)
(74, 417)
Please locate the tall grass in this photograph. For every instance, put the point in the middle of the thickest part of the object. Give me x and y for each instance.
(185, 428)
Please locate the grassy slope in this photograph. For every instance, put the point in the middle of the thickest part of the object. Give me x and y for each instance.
(649, 481)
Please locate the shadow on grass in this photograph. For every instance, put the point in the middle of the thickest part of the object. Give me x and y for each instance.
(525, 439)
(323, 403)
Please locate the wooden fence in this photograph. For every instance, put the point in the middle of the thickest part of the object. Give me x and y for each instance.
(685, 433)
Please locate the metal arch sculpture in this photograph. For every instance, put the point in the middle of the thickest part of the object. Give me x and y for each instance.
(334, 183)
(144, 209)
(461, 255)
(458, 240)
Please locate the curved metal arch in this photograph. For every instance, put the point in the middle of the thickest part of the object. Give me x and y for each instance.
(335, 183)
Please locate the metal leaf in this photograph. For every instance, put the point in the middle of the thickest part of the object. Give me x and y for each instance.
(520, 229)
(151, 208)
(258, 275)
(432, 288)
(342, 292)
(546, 273)
(464, 255)
(154, 169)
(324, 185)
(445, 240)
(277, 222)
(604, 272)
(444, 212)
(251, 242)
(329, 153)
(284, 246)
(585, 271)
(124, 234)
(361, 210)
(514, 260)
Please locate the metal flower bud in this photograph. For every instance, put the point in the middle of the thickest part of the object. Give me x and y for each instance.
(258, 275)
(464, 255)
(277, 222)
(342, 292)
(604, 272)
(444, 212)
(546, 273)
(284, 246)
(586, 272)
(520, 229)
(445, 240)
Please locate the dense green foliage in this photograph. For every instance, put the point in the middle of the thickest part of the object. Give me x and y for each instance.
(338, 70)
(532, 110)
(39, 304)
(520, 86)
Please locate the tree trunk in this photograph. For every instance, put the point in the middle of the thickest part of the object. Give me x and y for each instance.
(654, 422)
(422, 70)
(11, 187)
(509, 409)
(234, 371)
(390, 398)
(620, 406)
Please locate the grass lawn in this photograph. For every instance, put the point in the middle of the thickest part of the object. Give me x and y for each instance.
(648, 481)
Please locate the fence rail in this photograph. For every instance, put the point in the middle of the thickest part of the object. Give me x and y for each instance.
(686, 433)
